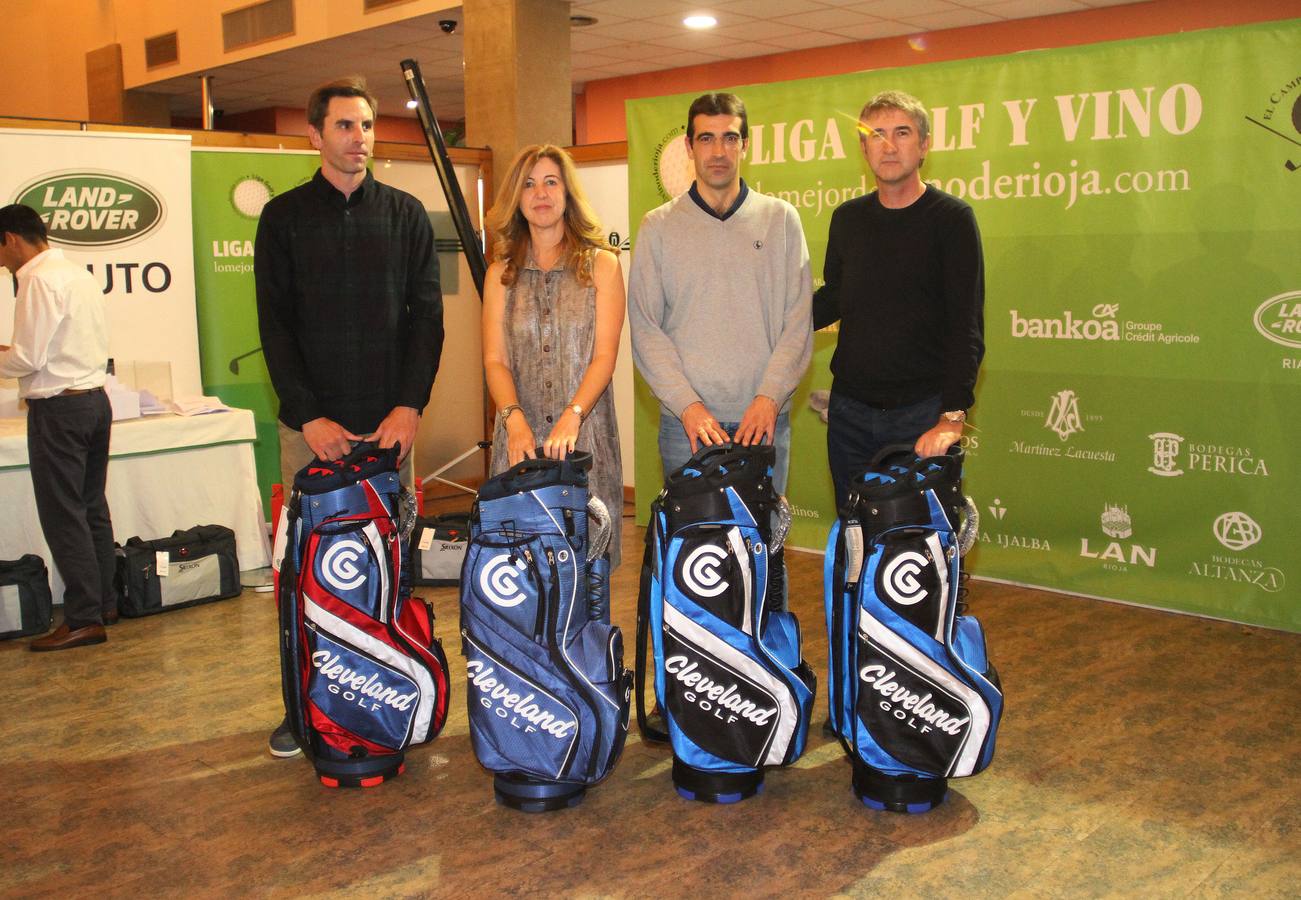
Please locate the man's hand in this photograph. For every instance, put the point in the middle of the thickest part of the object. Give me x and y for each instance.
(328, 439)
(759, 424)
(701, 427)
(399, 427)
(936, 442)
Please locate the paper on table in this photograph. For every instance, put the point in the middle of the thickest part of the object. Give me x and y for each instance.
(197, 406)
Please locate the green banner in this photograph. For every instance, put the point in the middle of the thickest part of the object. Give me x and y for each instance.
(1134, 435)
(230, 188)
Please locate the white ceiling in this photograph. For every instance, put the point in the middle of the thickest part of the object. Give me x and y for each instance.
(630, 36)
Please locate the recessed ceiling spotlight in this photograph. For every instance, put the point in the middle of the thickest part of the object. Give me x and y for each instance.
(700, 22)
(411, 104)
(581, 21)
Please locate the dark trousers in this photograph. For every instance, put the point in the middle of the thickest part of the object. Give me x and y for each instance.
(67, 445)
(856, 433)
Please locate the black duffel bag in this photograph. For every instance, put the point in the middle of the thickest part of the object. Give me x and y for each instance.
(26, 607)
(194, 566)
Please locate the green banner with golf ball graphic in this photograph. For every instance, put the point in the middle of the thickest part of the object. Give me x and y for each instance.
(1135, 432)
(230, 189)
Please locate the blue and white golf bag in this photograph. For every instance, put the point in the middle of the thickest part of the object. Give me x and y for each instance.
(913, 697)
(734, 691)
(548, 692)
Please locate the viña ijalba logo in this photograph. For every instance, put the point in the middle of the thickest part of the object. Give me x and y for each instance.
(93, 209)
(1236, 531)
(1279, 319)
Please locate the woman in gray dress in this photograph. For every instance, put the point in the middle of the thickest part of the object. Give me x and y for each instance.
(553, 309)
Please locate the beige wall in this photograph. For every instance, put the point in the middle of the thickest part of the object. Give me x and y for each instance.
(43, 43)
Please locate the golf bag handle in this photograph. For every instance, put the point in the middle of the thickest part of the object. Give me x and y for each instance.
(530, 474)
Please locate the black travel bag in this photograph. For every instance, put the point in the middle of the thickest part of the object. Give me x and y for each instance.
(193, 566)
(438, 545)
(26, 607)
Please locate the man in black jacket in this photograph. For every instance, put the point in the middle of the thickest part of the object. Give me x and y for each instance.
(349, 306)
(904, 276)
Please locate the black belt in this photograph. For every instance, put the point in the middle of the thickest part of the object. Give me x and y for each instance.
(69, 392)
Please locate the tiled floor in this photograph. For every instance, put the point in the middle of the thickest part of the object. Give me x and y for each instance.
(1142, 754)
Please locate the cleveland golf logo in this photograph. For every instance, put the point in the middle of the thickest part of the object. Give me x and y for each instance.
(93, 209)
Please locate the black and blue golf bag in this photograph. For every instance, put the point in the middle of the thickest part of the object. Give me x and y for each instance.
(548, 695)
(913, 697)
(363, 675)
(734, 692)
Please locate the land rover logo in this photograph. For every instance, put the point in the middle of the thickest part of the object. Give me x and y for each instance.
(1279, 319)
(93, 209)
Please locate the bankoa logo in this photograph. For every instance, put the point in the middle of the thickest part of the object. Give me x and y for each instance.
(1102, 327)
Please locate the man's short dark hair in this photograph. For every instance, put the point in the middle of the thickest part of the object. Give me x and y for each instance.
(24, 222)
(319, 103)
(717, 103)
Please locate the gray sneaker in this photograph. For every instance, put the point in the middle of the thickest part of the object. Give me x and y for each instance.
(282, 743)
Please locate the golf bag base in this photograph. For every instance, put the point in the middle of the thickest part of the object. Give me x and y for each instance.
(897, 793)
(535, 795)
(715, 787)
(359, 773)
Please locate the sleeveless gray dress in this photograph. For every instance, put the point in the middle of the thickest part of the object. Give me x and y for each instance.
(550, 329)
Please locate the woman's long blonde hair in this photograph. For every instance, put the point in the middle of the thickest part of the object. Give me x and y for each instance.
(510, 230)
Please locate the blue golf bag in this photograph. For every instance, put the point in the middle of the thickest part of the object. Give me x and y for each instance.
(548, 695)
(734, 692)
(362, 673)
(913, 697)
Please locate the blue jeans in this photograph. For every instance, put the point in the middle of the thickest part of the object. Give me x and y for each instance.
(856, 432)
(675, 449)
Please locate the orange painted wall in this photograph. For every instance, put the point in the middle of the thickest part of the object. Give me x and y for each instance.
(599, 110)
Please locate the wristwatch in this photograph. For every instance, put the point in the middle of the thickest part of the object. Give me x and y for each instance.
(957, 416)
(577, 410)
(504, 413)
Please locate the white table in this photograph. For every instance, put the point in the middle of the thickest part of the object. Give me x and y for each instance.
(164, 473)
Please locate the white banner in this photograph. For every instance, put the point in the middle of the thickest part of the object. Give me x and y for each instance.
(120, 204)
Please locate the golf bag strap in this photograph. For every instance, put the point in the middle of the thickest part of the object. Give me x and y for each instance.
(648, 732)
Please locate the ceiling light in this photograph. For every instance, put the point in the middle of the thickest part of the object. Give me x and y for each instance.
(699, 22)
(581, 21)
(411, 104)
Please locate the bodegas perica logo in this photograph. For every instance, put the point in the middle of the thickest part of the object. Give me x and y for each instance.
(674, 171)
(93, 209)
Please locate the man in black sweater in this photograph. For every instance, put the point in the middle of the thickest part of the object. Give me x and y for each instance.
(904, 276)
(349, 307)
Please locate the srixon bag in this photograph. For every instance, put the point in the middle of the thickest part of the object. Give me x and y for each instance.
(438, 545)
(26, 607)
(363, 675)
(734, 691)
(193, 566)
(913, 697)
(548, 695)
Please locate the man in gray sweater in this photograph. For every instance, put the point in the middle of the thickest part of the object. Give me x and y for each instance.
(720, 300)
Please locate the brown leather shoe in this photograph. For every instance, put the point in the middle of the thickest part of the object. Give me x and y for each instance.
(63, 638)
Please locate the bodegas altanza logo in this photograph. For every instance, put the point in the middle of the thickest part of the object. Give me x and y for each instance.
(93, 209)
(1237, 532)
(1007, 539)
(1065, 417)
(1173, 455)
(1281, 117)
(1103, 323)
(1119, 553)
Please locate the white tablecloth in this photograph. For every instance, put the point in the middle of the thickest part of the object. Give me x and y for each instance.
(164, 473)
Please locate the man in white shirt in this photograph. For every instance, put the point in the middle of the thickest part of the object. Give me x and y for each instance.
(59, 355)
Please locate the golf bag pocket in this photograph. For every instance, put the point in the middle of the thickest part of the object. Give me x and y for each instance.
(912, 695)
(363, 675)
(733, 688)
(547, 693)
(26, 606)
(193, 566)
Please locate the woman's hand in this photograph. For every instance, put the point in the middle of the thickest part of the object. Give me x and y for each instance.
(520, 443)
(564, 436)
